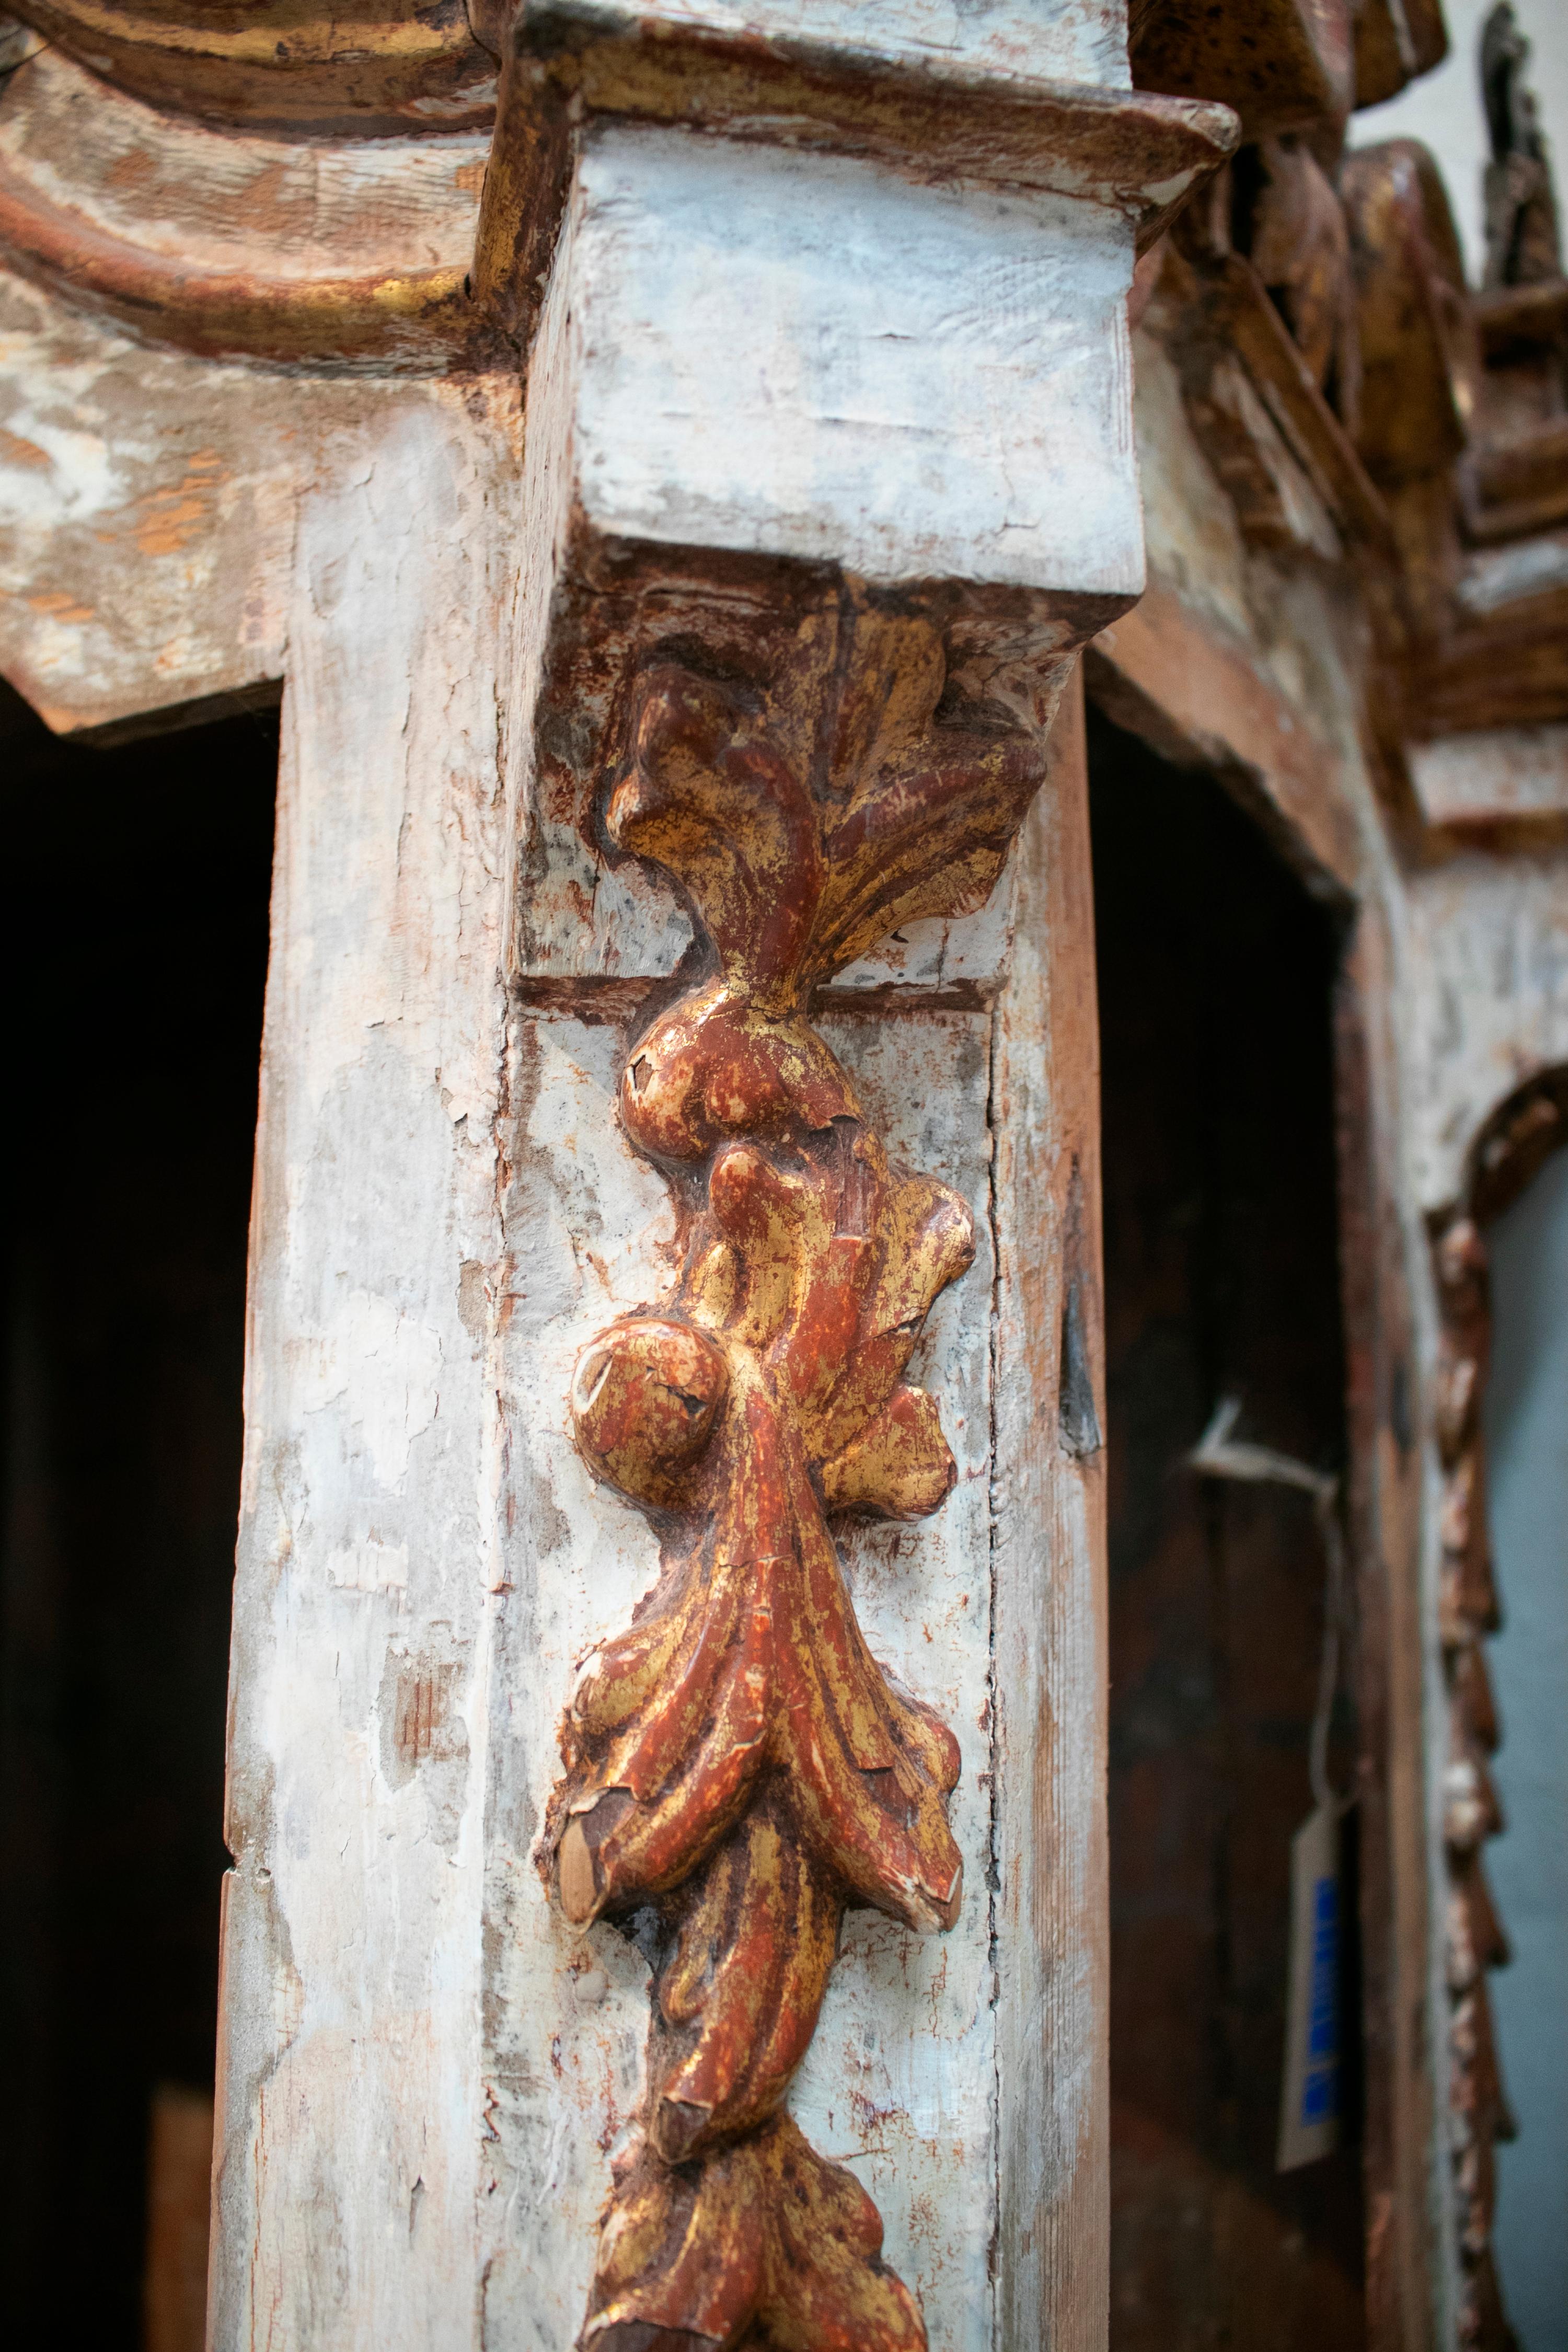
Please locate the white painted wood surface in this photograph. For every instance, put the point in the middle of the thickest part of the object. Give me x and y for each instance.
(1488, 999)
(1067, 41)
(424, 2071)
(211, 201)
(146, 508)
(808, 356)
(1493, 776)
(351, 2103)
(1050, 1663)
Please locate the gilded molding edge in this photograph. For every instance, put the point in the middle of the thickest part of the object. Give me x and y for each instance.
(736, 1760)
(1474, 1941)
(1508, 1151)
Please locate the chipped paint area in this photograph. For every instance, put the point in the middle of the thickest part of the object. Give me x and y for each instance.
(350, 2099)
(155, 495)
(1488, 982)
(587, 918)
(591, 1232)
(1493, 776)
(384, 1368)
(158, 496)
(900, 2082)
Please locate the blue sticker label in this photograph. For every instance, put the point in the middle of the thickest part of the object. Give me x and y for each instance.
(1321, 2083)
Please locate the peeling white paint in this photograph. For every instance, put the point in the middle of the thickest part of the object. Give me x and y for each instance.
(384, 1368)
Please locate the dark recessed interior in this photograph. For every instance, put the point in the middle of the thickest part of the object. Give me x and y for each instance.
(135, 923)
(1216, 979)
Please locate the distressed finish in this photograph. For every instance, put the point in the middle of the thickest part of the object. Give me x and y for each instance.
(733, 350)
(819, 316)
(351, 2141)
(373, 66)
(738, 1759)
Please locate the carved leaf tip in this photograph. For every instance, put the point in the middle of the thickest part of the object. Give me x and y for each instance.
(766, 2245)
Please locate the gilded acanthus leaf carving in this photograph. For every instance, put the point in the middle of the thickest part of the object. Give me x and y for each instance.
(737, 1759)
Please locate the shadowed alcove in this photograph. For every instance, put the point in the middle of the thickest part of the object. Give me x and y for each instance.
(136, 925)
(1215, 973)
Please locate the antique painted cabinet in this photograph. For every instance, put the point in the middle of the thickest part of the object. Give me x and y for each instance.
(679, 472)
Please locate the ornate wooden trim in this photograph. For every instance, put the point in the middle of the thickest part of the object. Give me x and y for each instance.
(1507, 1152)
(367, 67)
(337, 252)
(1142, 151)
(737, 1761)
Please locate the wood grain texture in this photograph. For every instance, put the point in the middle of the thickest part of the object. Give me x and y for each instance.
(979, 103)
(761, 342)
(1048, 1689)
(1284, 66)
(1082, 41)
(351, 252)
(351, 2102)
(374, 66)
(1395, 1665)
(146, 506)
(1201, 696)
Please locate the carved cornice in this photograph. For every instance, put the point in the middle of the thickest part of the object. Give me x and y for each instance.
(968, 113)
(737, 1759)
(1140, 152)
(204, 175)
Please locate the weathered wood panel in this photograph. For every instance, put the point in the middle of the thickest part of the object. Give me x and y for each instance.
(146, 504)
(1493, 777)
(1048, 1687)
(1084, 40)
(352, 2107)
(771, 349)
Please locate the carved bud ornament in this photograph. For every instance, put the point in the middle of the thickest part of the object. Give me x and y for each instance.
(737, 1759)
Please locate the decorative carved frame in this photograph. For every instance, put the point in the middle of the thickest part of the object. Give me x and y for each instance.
(1507, 1153)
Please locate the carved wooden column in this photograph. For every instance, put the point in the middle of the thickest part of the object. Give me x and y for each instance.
(667, 1756)
(804, 1428)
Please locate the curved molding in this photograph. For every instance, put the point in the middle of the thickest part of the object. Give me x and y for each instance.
(1506, 1152)
(237, 245)
(354, 66)
(737, 1763)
